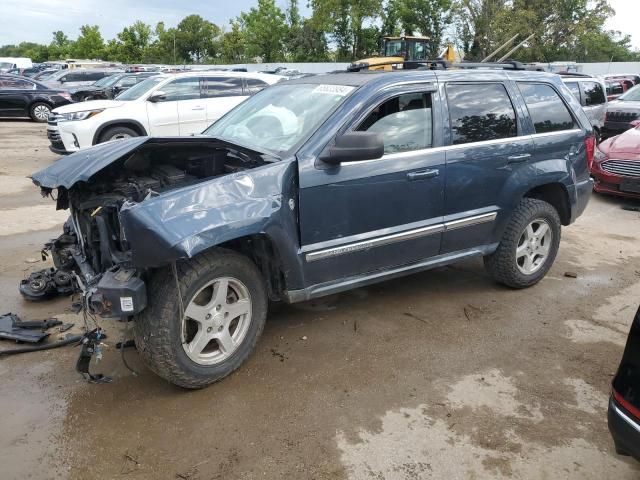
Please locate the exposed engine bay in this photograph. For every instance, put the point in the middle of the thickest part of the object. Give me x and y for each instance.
(93, 247)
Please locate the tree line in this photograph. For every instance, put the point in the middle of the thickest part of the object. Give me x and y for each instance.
(344, 30)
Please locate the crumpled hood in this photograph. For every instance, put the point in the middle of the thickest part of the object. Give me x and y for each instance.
(90, 105)
(82, 165)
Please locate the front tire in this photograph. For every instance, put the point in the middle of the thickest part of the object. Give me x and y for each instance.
(39, 112)
(117, 133)
(528, 247)
(225, 308)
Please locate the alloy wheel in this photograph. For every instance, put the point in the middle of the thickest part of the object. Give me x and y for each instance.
(534, 246)
(41, 112)
(216, 321)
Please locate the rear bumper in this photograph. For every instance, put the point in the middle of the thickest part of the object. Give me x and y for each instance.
(625, 430)
(583, 194)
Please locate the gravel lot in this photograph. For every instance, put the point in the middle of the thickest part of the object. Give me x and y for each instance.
(438, 375)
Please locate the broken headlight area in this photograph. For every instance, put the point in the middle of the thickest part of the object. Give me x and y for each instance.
(94, 248)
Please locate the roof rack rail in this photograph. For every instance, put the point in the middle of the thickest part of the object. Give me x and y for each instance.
(574, 74)
(440, 64)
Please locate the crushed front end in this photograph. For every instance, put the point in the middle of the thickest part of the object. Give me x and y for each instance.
(103, 185)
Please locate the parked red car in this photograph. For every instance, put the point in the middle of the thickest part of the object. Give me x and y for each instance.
(616, 164)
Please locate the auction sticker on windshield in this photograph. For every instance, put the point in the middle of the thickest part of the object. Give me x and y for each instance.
(341, 90)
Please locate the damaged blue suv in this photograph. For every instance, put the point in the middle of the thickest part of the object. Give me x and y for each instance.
(316, 186)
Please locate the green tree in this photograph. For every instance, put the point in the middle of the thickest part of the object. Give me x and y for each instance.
(132, 43)
(233, 44)
(60, 46)
(345, 20)
(197, 39)
(89, 44)
(309, 44)
(265, 31)
(426, 17)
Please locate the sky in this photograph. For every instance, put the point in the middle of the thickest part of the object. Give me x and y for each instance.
(35, 20)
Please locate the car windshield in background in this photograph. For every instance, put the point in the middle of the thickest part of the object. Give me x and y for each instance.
(107, 81)
(279, 117)
(632, 95)
(140, 89)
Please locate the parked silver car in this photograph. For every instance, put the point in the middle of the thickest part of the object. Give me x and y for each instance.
(76, 77)
(590, 92)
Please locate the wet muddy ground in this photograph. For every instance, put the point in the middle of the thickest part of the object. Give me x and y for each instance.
(443, 374)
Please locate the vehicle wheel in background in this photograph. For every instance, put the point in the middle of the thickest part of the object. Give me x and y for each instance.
(39, 112)
(528, 247)
(225, 307)
(116, 133)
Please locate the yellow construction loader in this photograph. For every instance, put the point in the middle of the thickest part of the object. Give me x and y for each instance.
(395, 49)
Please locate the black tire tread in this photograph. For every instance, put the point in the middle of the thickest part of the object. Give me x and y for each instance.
(152, 333)
(501, 263)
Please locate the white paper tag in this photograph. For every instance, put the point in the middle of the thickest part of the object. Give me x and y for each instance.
(126, 304)
(341, 90)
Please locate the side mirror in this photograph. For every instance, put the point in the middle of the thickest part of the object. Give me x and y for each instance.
(157, 97)
(355, 146)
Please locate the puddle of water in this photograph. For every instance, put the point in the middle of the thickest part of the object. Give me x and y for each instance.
(494, 391)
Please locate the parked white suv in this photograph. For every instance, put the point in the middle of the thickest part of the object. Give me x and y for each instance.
(163, 105)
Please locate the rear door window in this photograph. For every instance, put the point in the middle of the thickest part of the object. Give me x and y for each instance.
(479, 112)
(593, 93)
(548, 111)
(222, 87)
(16, 84)
(405, 122)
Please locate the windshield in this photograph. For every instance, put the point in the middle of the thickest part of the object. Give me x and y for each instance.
(140, 89)
(6, 65)
(279, 117)
(107, 81)
(631, 95)
(393, 48)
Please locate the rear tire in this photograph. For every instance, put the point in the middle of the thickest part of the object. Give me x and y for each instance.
(117, 133)
(39, 112)
(525, 255)
(165, 340)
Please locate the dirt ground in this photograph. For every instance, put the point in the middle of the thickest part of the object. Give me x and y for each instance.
(439, 375)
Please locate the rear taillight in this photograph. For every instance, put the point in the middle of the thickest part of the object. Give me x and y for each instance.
(626, 405)
(590, 148)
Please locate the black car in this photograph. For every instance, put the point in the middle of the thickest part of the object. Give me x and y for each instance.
(24, 97)
(109, 87)
(624, 405)
(622, 113)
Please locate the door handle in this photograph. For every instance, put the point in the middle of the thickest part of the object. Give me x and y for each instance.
(422, 174)
(518, 158)
(197, 108)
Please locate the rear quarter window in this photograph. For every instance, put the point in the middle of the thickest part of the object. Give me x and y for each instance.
(547, 110)
(479, 112)
(574, 88)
